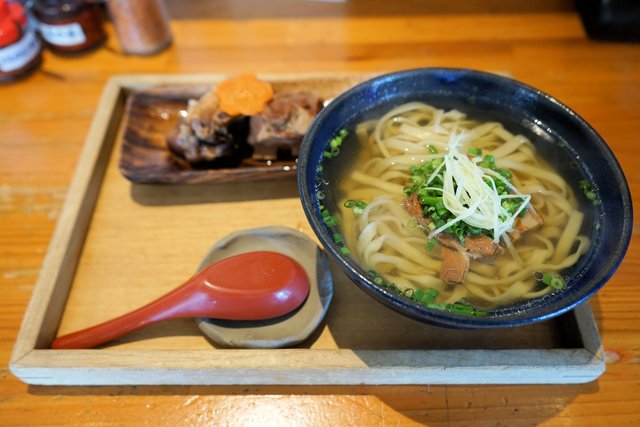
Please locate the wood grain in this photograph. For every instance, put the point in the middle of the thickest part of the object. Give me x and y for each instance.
(45, 119)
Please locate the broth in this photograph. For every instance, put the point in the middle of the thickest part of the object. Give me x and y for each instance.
(388, 163)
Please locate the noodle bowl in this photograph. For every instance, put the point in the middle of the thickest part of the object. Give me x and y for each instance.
(392, 194)
(384, 237)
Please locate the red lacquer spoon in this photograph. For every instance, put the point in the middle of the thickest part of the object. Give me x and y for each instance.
(251, 286)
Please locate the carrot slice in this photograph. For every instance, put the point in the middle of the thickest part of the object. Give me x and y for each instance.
(244, 94)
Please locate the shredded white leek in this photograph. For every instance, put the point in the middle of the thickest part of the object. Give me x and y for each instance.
(468, 197)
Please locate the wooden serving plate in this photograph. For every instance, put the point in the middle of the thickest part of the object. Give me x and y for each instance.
(119, 244)
(151, 116)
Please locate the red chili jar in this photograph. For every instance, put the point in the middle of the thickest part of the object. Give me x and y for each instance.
(20, 47)
(69, 26)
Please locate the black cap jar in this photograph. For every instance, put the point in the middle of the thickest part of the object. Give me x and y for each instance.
(20, 47)
(69, 26)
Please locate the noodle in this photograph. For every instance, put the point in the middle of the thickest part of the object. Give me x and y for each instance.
(384, 237)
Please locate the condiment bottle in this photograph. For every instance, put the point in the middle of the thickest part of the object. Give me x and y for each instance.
(69, 26)
(20, 47)
(142, 26)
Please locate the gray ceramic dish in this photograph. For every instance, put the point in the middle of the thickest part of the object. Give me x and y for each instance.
(284, 331)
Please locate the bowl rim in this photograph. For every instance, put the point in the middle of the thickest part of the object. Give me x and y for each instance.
(420, 312)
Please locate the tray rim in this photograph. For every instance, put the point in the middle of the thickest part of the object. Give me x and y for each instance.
(34, 364)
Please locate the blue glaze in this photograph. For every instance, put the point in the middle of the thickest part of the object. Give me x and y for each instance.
(559, 134)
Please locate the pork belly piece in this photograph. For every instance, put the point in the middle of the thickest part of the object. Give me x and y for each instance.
(282, 124)
(455, 264)
(456, 256)
(206, 134)
(475, 246)
(482, 246)
(412, 205)
(454, 267)
(528, 221)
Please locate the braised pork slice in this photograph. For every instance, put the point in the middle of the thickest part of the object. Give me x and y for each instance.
(528, 221)
(282, 124)
(455, 264)
(205, 117)
(412, 205)
(456, 256)
(206, 133)
(475, 246)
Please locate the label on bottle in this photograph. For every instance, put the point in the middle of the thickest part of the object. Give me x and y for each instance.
(19, 54)
(63, 35)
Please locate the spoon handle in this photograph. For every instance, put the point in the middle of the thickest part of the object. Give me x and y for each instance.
(163, 308)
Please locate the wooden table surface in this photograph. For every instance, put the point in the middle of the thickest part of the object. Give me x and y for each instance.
(44, 121)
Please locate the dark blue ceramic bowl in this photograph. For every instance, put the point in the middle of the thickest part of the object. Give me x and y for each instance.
(560, 135)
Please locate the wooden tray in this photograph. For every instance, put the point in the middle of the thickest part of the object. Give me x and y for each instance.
(119, 245)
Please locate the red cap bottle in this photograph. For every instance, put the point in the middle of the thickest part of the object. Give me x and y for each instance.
(20, 48)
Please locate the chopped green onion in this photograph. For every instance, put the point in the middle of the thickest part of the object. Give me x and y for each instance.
(488, 162)
(588, 191)
(327, 218)
(426, 180)
(475, 151)
(431, 295)
(357, 206)
(334, 144)
(436, 162)
(427, 297)
(416, 179)
(554, 281)
(330, 220)
(430, 201)
(430, 245)
(505, 173)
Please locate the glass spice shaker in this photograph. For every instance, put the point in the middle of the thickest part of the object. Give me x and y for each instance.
(20, 47)
(69, 26)
(142, 26)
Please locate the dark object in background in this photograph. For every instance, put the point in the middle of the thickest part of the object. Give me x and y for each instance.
(611, 19)
(69, 26)
(20, 47)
